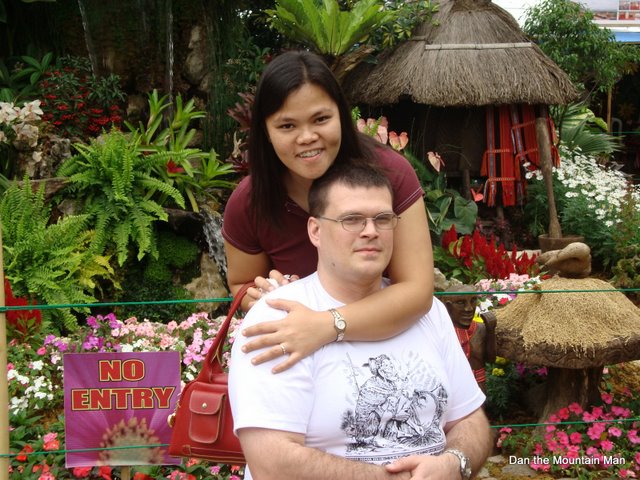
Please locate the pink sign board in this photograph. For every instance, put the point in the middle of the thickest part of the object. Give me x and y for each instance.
(117, 403)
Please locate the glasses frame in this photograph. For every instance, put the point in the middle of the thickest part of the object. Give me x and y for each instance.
(365, 219)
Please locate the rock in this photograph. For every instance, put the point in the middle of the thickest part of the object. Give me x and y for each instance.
(208, 285)
(518, 471)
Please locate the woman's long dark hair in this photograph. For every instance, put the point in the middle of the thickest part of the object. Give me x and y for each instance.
(284, 75)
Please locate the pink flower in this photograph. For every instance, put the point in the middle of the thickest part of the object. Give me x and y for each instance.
(575, 438)
(620, 412)
(215, 470)
(607, 445)
(575, 408)
(41, 351)
(637, 458)
(51, 441)
(624, 473)
(595, 431)
(633, 437)
(607, 398)
(540, 466)
(46, 476)
(398, 142)
(563, 413)
(615, 432)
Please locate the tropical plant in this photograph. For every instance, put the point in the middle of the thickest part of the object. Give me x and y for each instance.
(49, 262)
(21, 82)
(566, 32)
(579, 129)
(115, 185)
(190, 170)
(326, 28)
(445, 206)
(343, 37)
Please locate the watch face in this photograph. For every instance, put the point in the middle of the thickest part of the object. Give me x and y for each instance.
(341, 324)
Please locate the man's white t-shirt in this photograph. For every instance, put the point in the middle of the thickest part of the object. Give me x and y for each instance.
(365, 401)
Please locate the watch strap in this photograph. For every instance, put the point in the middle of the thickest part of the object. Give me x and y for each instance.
(339, 323)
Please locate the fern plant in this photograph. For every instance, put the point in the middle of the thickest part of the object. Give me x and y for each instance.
(49, 263)
(114, 182)
(190, 170)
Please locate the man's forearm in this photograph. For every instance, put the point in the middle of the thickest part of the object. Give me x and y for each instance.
(274, 455)
(472, 435)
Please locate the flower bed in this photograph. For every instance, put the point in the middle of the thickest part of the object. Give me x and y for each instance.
(36, 397)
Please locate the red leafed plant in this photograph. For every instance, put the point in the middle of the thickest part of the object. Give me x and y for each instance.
(20, 322)
(474, 257)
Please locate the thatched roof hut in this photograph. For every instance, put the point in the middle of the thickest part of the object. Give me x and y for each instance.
(472, 53)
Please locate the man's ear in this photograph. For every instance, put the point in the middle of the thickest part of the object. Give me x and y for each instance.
(313, 230)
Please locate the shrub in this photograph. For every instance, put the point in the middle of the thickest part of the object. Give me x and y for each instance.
(47, 262)
(115, 185)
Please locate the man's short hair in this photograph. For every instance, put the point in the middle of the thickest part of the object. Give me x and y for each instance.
(351, 174)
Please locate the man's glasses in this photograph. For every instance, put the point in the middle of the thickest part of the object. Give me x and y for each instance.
(357, 223)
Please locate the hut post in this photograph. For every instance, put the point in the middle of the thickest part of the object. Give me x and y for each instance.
(544, 150)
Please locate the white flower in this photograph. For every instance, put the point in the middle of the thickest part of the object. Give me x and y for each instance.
(31, 111)
(126, 348)
(37, 365)
(3, 137)
(36, 156)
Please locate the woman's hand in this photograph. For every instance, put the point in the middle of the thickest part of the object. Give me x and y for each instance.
(265, 285)
(298, 335)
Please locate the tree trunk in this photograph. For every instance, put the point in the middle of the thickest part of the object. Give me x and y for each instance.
(566, 386)
(544, 150)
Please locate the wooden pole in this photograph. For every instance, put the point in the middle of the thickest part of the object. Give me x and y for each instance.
(546, 165)
(4, 386)
(125, 473)
(609, 113)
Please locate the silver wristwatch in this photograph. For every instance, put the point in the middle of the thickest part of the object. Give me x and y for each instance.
(339, 323)
(465, 463)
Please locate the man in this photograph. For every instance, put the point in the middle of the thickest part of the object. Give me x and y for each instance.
(478, 340)
(403, 408)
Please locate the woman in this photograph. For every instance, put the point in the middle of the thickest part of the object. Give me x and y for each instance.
(301, 124)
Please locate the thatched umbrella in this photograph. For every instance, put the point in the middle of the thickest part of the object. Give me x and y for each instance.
(472, 53)
(575, 334)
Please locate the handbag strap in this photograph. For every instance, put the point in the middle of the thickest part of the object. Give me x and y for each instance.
(213, 361)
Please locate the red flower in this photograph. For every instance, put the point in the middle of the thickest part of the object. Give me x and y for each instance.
(62, 107)
(21, 320)
(142, 476)
(449, 237)
(26, 450)
(172, 167)
(105, 472)
(81, 472)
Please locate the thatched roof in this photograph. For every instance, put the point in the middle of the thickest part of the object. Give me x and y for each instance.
(576, 329)
(473, 53)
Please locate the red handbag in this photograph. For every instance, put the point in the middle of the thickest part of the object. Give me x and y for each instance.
(202, 423)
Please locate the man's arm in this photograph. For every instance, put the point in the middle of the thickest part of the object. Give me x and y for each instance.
(470, 434)
(275, 454)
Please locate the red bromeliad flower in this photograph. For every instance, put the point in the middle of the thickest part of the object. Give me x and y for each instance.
(172, 167)
(481, 254)
(21, 320)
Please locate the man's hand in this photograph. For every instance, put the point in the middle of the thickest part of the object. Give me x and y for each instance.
(427, 467)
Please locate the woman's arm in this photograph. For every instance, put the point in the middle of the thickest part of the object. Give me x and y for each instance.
(381, 315)
(242, 268)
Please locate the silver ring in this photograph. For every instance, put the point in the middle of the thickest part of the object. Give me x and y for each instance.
(260, 290)
(287, 277)
(284, 350)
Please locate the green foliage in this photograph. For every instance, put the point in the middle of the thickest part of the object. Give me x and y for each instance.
(49, 262)
(501, 388)
(191, 171)
(161, 279)
(115, 184)
(568, 35)
(326, 28)
(579, 128)
(627, 244)
(445, 206)
(20, 83)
